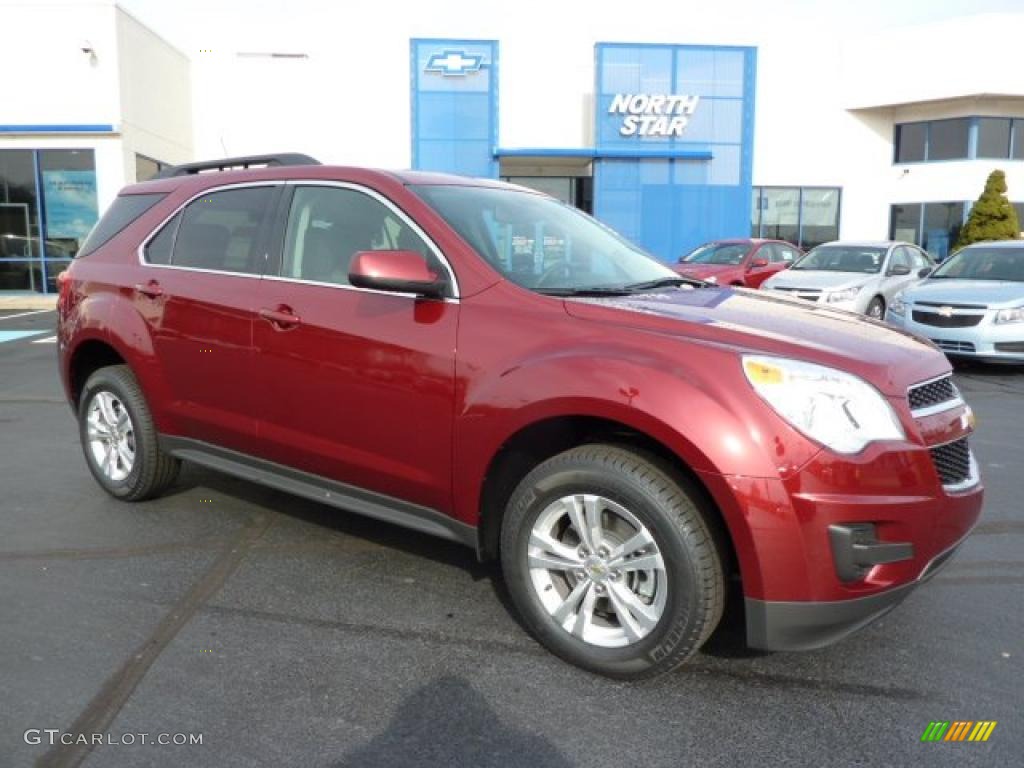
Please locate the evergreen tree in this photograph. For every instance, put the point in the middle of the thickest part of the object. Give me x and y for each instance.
(992, 217)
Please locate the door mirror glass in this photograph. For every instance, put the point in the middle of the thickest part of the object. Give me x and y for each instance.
(396, 271)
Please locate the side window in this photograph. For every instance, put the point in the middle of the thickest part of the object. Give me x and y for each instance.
(899, 258)
(921, 259)
(327, 226)
(785, 254)
(219, 231)
(158, 250)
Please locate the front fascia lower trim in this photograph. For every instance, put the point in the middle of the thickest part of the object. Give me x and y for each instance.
(322, 489)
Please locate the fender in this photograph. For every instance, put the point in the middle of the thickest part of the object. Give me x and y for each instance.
(114, 320)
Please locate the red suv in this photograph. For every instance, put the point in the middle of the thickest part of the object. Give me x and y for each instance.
(738, 262)
(483, 363)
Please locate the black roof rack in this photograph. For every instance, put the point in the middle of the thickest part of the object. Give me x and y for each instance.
(235, 163)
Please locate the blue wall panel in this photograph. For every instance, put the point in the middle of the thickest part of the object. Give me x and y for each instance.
(455, 106)
(670, 206)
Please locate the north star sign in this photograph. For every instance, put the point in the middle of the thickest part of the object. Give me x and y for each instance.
(653, 114)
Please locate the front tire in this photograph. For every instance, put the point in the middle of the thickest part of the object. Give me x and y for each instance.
(611, 563)
(119, 438)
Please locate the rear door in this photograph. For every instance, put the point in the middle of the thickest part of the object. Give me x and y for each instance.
(353, 384)
(198, 296)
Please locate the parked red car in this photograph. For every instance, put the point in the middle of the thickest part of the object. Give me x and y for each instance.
(738, 262)
(485, 364)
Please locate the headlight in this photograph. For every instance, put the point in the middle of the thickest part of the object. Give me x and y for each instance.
(837, 409)
(1015, 315)
(847, 295)
(898, 307)
(713, 280)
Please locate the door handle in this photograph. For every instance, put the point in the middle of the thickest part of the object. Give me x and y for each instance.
(151, 289)
(281, 318)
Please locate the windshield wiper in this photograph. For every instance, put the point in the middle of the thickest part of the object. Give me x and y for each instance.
(665, 282)
(585, 291)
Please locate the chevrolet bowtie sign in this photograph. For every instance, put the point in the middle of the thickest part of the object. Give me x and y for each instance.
(454, 63)
(653, 114)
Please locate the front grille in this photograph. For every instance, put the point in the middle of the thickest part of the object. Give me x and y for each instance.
(1010, 346)
(952, 461)
(932, 393)
(954, 346)
(808, 294)
(946, 321)
(951, 306)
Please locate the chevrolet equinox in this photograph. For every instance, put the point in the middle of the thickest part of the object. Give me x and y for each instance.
(480, 362)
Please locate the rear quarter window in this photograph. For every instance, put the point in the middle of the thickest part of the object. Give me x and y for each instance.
(123, 211)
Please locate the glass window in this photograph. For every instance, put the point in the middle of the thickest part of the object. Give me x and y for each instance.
(982, 263)
(819, 217)
(905, 222)
(1019, 208)
(123, 211)
(69, 198)
(783, 253)
(327, 226)
(900, 258)
(910, 140)
(942, 222)
(540, 243)
(843, 258)
(158, 250)
(755, 212)
(219, 231)
(1018, 140)
(993, 137)
(19, 212)
(780, 213)
(559, 187)
(948, 139)
(718, 253)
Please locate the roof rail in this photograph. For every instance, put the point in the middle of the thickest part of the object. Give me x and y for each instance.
(235, 163)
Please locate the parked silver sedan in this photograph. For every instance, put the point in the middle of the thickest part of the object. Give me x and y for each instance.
(861, 277)
(972, 305)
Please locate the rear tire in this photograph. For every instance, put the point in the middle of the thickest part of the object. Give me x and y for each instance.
(119, 438)
(640, 590)
(876, 308)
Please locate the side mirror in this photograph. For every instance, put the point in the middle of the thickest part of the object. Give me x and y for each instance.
(900, 270)
(396, 271)
(924, 271)
(758, 263)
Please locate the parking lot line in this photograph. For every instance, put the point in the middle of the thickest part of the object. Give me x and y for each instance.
(15, 335)
(26, 314)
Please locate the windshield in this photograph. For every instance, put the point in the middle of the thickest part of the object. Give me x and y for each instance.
(718, 253)
(540, 243)
(843, 258)
(984, 264)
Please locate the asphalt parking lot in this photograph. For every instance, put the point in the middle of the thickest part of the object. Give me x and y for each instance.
(287, 633)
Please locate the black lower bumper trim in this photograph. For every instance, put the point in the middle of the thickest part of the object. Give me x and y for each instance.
(802, 626)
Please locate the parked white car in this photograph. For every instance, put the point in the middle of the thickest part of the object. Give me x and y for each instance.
(861, 277)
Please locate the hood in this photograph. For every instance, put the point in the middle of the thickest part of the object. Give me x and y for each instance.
(704, 271)
(812, 278)
(991, 293)
(765, 323)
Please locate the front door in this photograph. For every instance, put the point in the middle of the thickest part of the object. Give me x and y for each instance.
(355, 385)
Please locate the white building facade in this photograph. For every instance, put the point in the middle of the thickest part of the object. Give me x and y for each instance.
(672, 133)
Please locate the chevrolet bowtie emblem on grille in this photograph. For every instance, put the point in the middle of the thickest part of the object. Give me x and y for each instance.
(946, 311)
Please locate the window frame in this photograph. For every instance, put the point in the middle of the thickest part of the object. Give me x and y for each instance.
(275, 259)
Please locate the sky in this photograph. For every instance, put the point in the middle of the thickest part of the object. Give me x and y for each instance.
(284, 24)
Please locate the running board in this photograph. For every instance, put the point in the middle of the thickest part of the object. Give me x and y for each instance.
(322, 489)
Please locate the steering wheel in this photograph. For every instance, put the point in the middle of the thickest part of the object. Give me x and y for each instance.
(560, 268)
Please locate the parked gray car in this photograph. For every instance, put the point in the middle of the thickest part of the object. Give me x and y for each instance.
(861, 277)
(972, 305)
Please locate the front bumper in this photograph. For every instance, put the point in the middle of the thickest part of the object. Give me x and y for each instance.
(804, 626)
(985, 341)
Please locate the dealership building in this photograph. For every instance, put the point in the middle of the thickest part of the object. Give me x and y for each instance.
(671, 134)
